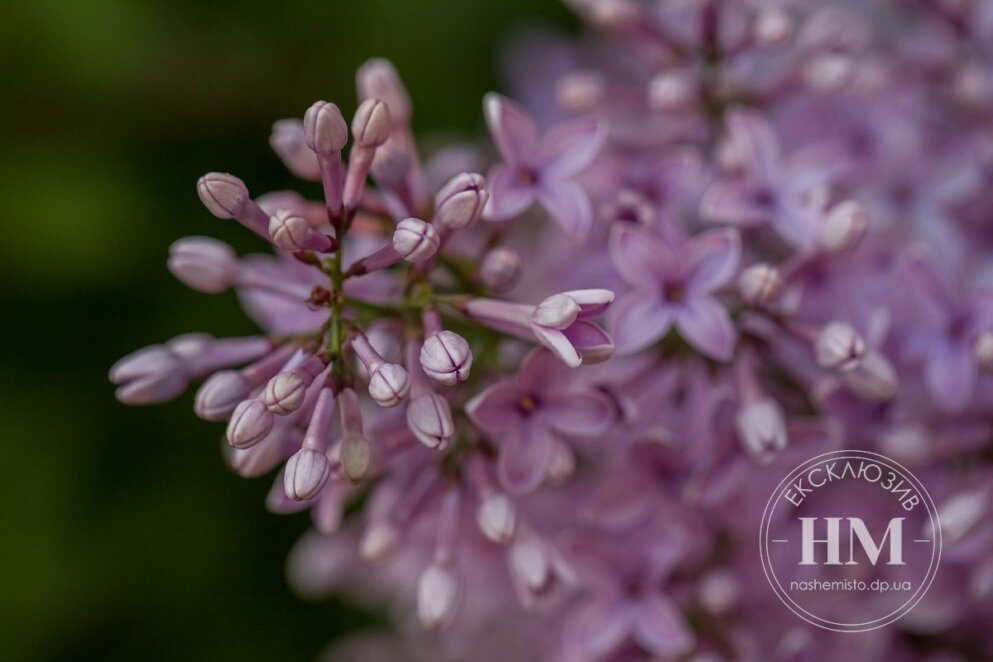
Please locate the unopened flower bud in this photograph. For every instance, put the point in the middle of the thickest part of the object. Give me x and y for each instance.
(324, 128)
(671, 91)
(430, 419)
(773, 27)
(446, 357)
(580, 91)
(306, 473)
(378, 79)
(220, 394)
(460, 202)
(293, 232)
(285, 393)
(501, 269)
(287, 140)
(438, 594)
(371, 124)
(984, 350)
(829, 72)
(562, 464)
(760, 284)
(207, 265)
(762, 428)
(222, 194)
(557, 311)
(249, 424)
(415, 240)
(960, 514)
(844, 227)
(356, 456)
(389, 384)
(875, 378)
(379, 540)
(839, 347)
(497, 518)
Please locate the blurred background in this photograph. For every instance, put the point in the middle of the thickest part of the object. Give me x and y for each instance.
(122, 533)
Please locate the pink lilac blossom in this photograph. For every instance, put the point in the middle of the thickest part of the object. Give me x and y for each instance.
(789, 202)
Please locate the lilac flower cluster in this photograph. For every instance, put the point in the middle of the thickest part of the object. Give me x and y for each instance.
(790, 202)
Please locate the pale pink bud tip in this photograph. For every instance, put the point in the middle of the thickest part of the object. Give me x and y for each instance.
(430, 419)
(284, 393)
(222, 194)
(773, 27)
(306, 473)
(762, 429)
(324, 128)
(760, 284)
(839, 347)
(501, 269)
(415, 240)
(378, 79)
(446, 357)
(220, 394)
(293, 232)
(984, 350)
(557, 311)
(497, 518)
(844, 227)
(371, 124)
(389, 384)
(204, 264)
(671, 91)
(460, 202)
(438, 594)
(356, 457)
(249, 424)
(379, 541)
(288, 142)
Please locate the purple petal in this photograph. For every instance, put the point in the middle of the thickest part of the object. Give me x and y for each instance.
(637, 320)
(496, 409)
(577, 414)
(705, 324)
(512, 128)
(597, 628)
(798, 224)
(641, 258)
(753, 135)
(542, 371)
(929, 286)
(591, 341)
(660, 628)
(710, 260)
(736, 202)
(950, 374)
(567, 149)
(557, 341)
(508, 197)
(568, 205)
(524, 456)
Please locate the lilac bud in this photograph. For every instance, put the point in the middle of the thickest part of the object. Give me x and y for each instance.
(288, 142)
(371, 124)
(558, 311)
(390, 165)
(460, 202)
(844, 227)
(581, 91)
(307, 471)
(204, 264)
(500, 270)
(430, 419)
(293, 232)
(356, 457)
(829, 72)
(719, 591)
(220, 394)
(285, 393)
(324, 128)
(446, 357)
(875, 378)
(497, 518)
(378, 79)
(671, 91)
(439, 591)
(149, 375)
(222, 194)
(984, 350)
(960, 514)
(415, 240)
(249, 424)
(762, 428)
(760, 284)
(839, 347)
(389, 384)
(773, 27)
(562, 464)
(380, 539)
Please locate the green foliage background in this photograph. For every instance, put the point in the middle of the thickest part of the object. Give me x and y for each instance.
(122, 534)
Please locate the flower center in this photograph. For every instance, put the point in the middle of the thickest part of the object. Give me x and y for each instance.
(674, 292)
(527, 404)
(527, 177)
